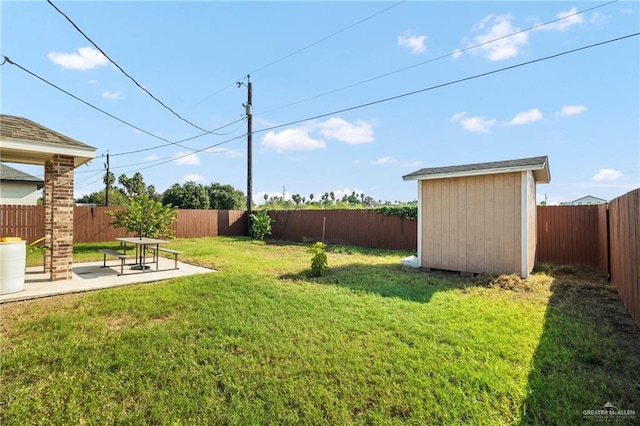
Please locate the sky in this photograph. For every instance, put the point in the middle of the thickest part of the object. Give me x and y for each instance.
(327, 80)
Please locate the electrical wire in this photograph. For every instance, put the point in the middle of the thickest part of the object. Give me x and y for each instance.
(328, 37)
(168, 142)
(473, 77)
(183, 140)
(307, 47)
(124, 72)
(433, 59)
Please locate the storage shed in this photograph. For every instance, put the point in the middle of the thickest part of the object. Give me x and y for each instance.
(479, 217)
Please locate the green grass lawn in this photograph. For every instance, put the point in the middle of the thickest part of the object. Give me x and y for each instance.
(371, 342)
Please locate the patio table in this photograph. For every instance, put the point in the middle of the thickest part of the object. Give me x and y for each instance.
(141, 244)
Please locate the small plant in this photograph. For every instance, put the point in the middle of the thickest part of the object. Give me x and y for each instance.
(319, 259)
(35, 248)
(146, 218)
(260, 225)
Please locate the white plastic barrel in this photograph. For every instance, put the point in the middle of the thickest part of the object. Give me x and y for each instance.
(13, 255)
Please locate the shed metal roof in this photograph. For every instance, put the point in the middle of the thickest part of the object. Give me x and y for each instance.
(538, 165)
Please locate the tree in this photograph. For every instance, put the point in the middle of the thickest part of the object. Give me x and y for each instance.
(134, 186)
(296, 198)
(191, 195)
(145, 217)
(226, 197)
(116, 198)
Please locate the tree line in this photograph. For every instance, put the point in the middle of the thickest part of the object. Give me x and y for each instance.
(190, 195)
(216, 196)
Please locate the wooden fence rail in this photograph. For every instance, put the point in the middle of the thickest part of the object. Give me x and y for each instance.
(604, 236)
(624, 243)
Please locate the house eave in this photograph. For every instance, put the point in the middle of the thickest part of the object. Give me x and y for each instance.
(540, 172)
(38, 153)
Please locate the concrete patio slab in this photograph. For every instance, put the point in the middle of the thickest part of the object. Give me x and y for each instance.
(92, 276)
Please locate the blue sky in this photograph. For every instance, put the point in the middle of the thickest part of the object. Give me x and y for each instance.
(580, 109)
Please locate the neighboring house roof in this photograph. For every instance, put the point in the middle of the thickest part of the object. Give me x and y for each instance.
(538, 165)
(9, 174)
(589, 199)
(24, 141)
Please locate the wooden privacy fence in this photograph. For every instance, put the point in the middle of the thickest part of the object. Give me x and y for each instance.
(363, 228)
(569, 235)
(92, 224)
(624, 243)
(604, 236)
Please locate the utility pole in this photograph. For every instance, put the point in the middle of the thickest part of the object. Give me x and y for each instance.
(107, 181)
(249, 111)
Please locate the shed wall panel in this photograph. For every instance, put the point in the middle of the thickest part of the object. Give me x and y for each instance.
(531, 221)
(472, 224)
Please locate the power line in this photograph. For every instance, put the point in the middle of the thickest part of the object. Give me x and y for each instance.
(123, 71)
(473, 77)
(309, 46)
(434, 59)
(186, 155)
(168, 142)
(328, 37)
(184, 140)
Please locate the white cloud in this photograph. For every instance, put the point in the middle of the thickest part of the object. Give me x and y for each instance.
(152, 157)
(87, 58)
(343, 131)
(456, 53)
(186, 158)
(607, 175)
(194, 178)
(356, 161)
(291, 140)
(477, 124)
(566, 23)
(413, 41)
(112, 95)
(137, 132)
(568, 110)
(526, 117)
(384, 160)
(495, 27)
(626, 11)
(457, 116)
(93, 81)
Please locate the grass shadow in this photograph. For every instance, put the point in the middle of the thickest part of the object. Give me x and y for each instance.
(396, 281)
(588, 355)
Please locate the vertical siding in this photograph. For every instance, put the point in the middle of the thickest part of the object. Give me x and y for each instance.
(351, 227)
(196, 223)
(568, 235)
(624, 217)
(531, 222)
(472, 224)
(26, 222)
(92, 224)
(603, 238)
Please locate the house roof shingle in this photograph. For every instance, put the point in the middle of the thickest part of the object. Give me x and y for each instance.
(9, 174)
(539, 165)
(20, 128)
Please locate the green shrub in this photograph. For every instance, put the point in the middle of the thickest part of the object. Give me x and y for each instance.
(408, 211)
(146, 218)
(319, 259)
(260, 225)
